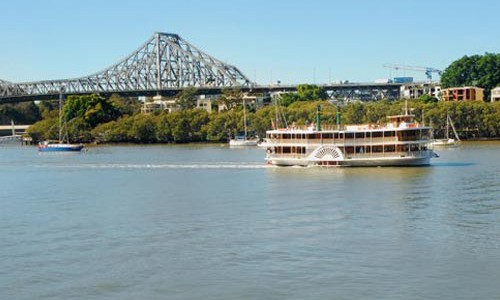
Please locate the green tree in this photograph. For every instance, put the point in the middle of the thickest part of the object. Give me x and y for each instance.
(215, 128)
(114, 131)
(288, 98)
(20, 113)
(231, 98)
(475, 70)
(187, 98)
(311, 92)
(125, 105)
(353, 113)
(92, 108)
(143, 128)
(46, 129)
(427, 99)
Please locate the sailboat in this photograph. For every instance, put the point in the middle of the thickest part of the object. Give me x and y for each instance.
(243, 140)
(447, 141)
(60, 145)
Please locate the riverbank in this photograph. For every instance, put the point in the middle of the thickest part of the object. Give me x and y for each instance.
(472, 120)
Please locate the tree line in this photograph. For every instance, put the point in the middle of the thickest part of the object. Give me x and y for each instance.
(97, 119)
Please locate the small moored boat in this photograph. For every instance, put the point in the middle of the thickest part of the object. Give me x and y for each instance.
(51, 146)
(60, 145)
(447, 141)
(243, 140)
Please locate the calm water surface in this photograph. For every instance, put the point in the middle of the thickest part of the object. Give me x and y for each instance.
(209, 222)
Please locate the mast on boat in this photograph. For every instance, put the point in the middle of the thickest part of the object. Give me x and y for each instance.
(448, 121)
(447, 126)
(60, 114)
(244, 118)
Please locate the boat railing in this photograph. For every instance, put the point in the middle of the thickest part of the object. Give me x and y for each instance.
(386, 154)
(340, 141)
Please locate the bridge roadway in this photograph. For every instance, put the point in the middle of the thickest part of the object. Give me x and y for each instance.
(346, 91)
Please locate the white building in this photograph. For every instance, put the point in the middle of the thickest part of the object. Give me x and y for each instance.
(415, 90)
(495, 94)
(159, 103)
(206, 102)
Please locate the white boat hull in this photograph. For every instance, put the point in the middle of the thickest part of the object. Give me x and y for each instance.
(423, 159)
(243, 143)
(445, 143)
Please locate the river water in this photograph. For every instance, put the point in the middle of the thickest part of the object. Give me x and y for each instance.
(209, 222)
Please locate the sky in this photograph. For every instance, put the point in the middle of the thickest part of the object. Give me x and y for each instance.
(313, 41)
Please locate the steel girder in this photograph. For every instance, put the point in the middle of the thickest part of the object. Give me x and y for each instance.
(364, 92)
(164, 62)
(8, 88)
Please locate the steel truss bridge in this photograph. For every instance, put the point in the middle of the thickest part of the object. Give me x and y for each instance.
(164, 65)
(165, 62)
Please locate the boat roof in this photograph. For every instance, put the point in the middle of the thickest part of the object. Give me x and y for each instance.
(304, 131)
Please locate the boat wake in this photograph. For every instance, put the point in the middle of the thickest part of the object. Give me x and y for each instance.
(166, 166)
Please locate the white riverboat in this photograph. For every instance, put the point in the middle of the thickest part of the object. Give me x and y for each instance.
(400, 142)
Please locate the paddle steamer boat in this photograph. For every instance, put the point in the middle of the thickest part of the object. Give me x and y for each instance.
(399, 142)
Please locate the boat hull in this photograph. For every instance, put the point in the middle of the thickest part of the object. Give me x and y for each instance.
(415, 160)
(445, 143)
(243, 143)
(60, 148)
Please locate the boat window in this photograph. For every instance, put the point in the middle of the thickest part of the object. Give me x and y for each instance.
(349, 135)
(349, 150)
(389, 133)
(389, 148)
(376, 149)
(425, 134)
(360, 135)
(377, 134)
(408, 135)
(403, 148)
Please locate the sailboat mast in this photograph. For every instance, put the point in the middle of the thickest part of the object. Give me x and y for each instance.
(454, 130)
(447, 126)
(60, 114)
(244, 118)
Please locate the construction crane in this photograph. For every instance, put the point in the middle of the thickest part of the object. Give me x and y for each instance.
(428, 70)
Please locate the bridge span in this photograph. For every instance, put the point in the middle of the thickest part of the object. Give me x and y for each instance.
(166, 64)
